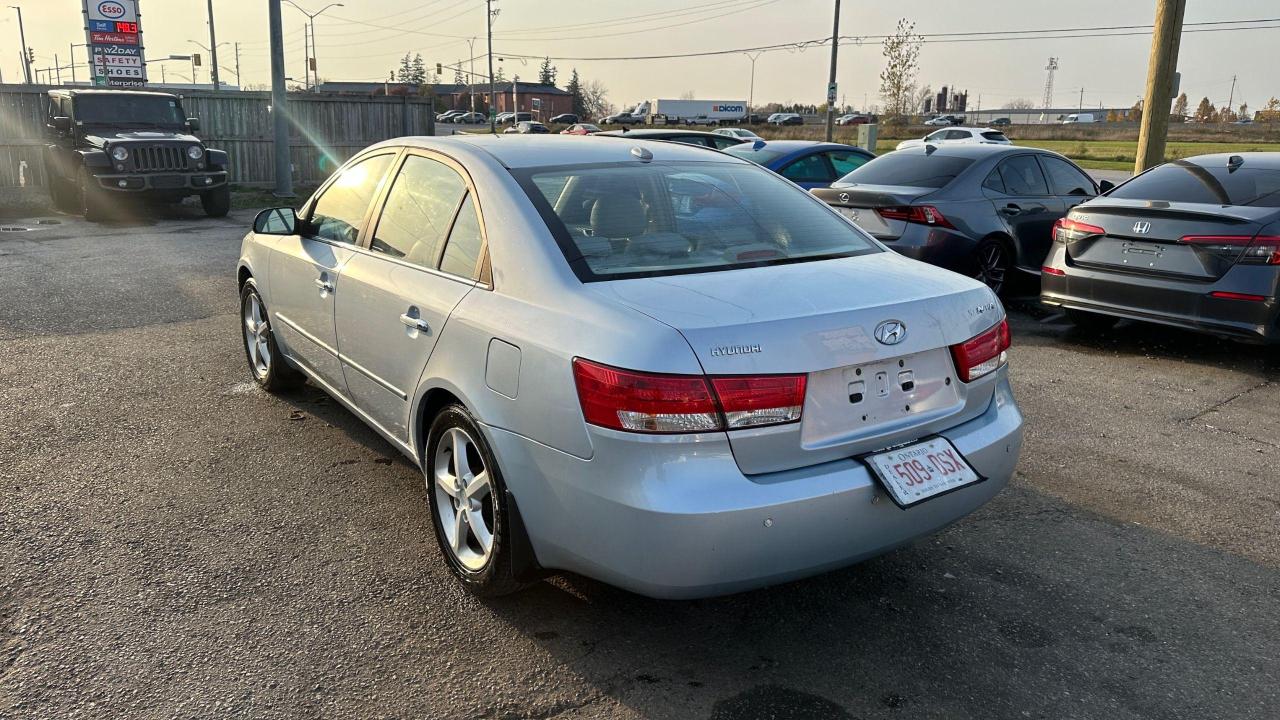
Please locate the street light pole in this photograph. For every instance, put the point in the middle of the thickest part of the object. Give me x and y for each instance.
(311, 27)
(279, 98)
(751, 95)
(22, 35)
(831, 81)
(493, 114)
(213, 50)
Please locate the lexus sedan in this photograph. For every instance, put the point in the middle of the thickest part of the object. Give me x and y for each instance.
(981, 210)
(1193, 243)
(807, 163)
(644, 362)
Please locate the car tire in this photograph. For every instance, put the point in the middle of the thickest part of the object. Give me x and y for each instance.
(216, 202)
(93, 200)
(1091, 322)
(266, 363)
(468, 503)
(991, 263)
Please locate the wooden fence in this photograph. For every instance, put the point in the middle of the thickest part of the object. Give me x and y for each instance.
(325, 130)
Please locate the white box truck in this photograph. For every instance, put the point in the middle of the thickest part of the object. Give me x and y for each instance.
(690, 112)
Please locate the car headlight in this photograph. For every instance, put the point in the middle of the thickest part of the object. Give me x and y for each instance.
(120, 153)
(195, 152)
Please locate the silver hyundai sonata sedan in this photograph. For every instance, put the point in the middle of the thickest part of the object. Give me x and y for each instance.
(648, 363)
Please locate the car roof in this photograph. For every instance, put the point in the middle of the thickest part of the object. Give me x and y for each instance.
(971, 150)
(789, 146)
(1252, 160)
(517, 151)
(151, 93)
(656, 133)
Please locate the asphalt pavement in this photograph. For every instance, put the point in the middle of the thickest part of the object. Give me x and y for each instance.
(175, 543)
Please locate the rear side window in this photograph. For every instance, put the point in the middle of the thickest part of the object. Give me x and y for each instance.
(909, 169)
(1188, 182)
(812, 168)
(995, 136)
(1022, 176)
(846, 162)
(339, 213)
(419, 209)
(1065, 178)
(462, 254)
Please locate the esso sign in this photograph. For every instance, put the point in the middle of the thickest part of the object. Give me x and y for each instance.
(111, 10)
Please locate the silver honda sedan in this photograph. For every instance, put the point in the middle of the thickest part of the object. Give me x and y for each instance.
(649, 363)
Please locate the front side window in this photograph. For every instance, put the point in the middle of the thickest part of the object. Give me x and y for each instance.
(1022, 176)
(339, 213)
(811, 168)
(1065, 179)
(419, 210)
(641, 220)
(1187, 182)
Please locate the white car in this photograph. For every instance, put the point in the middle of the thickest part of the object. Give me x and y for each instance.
(941, 120)
(739, 133)
(949, 136)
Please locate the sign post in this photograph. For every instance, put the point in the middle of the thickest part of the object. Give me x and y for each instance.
(113, 34)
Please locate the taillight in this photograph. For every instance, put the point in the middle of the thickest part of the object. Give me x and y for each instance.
(983, 354)
(919, 214)
(1265, 250)
(1047, 270)
(1067, 230)
(1259, 250)
(1227, 295)
(654, 403)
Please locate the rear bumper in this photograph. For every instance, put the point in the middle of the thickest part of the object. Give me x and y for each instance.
(668, 521)
(1181, 303)
(162, 182)
(937, 246)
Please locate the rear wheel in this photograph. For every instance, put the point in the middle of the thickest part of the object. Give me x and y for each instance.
(991, 264)
(468, 505)
(1090, 321)
(216, 202)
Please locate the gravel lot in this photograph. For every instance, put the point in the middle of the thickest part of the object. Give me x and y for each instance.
(175, 543)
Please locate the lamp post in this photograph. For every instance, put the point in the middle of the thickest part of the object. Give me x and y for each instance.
(311, 18)
(213, 58)
(22, 35)
(751, 95)
(213, 51)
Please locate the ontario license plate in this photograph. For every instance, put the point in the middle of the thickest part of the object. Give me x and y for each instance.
(918, 472)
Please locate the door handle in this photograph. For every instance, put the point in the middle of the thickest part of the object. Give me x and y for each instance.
(324, 285)
(415, 323)
(1010, 210)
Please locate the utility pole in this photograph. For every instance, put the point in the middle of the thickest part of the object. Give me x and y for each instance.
(238, 83)
(831, 80)
(751, 95)
(279, 100)
(22, 35)
(1165, 39)
(57, 67)
(1231, 98)
(493, 99)
(1080, 105)
(213, 51)
(306, 56)
(471, 76)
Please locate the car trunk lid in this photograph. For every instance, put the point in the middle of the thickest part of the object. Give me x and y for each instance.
(820, 319)
(1182, 240)
(862, 204)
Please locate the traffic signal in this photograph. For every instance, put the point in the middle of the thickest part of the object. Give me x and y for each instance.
(31, 54)
(195, 60)
(439, 68)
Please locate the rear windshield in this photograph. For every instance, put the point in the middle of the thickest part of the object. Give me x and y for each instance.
(643, 220)
(1186, 182)
(762, 156)
(997, 136)
(125, 109)
(909, 169)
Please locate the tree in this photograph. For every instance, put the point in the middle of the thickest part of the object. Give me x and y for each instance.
(547, 73)
(923, 95)
(406, 69)
(1226, 114)
(688, 95)
(1270, 112)
(458, 77)
(577, 101)
(499, 75)
(902, 61)
(419, 70)
(595, 100)
(1244, 111)
(1205, 111)
(1135, 112)
(1018, 104)
(1112, 116)
(1180, 105)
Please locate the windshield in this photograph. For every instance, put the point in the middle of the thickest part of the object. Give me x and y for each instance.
(908, 169)
(1188, 182)
(125, 109)
(631, 220)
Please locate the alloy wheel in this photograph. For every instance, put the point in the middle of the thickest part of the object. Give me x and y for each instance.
(256, 335)
(464, 499)
(991, 266)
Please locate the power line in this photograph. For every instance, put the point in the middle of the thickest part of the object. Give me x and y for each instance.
(646, 17)
(635, 31)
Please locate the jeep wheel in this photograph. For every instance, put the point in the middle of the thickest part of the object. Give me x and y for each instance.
(93, 200)
(216, 202)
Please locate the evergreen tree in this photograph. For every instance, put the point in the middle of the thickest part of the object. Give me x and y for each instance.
(418, 71)
(406, 69)
(1180, 105)
(1204, 111)
(547, 73)
(458, 77)
(574, 88)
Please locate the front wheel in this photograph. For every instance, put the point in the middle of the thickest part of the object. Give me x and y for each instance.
(93, 199)
(267, 365)
(468, 505)
(216, 202)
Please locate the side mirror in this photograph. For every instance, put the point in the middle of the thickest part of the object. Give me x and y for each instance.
(193, 124)
(276, 221)
(1105, 186)
(62, 125)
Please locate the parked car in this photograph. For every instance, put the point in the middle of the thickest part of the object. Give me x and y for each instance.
(471, 118)
(981, 210)
(519, 117)
(853, 119)
(688, 137)
(702, 120)
(102, 146)
(739, 133)
(719, 381)
(1001, 122)
(807, 163)
(945, 120)
(450, 116)
(1193, 243)
(527, 127)
(754, 119)
(564, 119)
(624, 118)
(786, 119)
(1077, 118)
(504, 117)
(958, 135)
(580, 129)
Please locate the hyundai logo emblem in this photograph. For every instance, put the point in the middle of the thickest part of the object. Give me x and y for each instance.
(1142, 227)
(891, 332)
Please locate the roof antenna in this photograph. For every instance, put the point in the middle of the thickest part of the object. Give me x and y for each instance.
(1234, 162)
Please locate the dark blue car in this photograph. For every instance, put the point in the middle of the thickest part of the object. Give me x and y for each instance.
(807, 163)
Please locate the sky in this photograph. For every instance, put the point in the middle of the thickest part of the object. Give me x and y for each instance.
(1110, 70)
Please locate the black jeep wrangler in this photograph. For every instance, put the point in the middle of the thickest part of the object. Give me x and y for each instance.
(105, 144)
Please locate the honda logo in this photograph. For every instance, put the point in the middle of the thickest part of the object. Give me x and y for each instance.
(1142, 227)
(891, 332)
